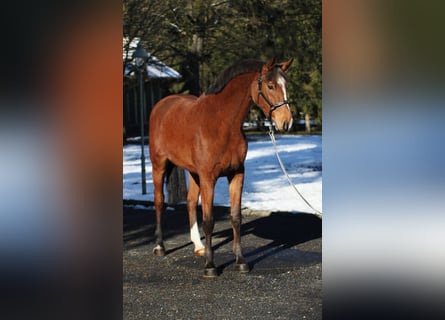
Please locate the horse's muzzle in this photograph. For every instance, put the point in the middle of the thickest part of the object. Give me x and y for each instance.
(285, 126)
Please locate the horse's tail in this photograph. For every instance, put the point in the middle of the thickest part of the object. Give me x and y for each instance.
(176, 184)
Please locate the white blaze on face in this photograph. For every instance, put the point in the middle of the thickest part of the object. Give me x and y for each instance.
(282, 83)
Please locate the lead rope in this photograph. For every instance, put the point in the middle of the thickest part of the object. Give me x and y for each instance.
(272, 137)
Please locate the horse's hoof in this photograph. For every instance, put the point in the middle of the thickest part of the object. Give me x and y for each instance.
(199, 252)
(210, 273)
(159, 251)
(242, 267)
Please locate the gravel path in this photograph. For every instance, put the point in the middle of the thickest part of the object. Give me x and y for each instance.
(283, 251)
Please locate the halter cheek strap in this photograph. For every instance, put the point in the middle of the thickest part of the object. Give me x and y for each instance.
(272, 107)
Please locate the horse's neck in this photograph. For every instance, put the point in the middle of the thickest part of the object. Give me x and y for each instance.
(234, 101)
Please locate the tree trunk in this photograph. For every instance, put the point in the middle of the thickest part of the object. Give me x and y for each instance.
(176, 186)
(307, 121)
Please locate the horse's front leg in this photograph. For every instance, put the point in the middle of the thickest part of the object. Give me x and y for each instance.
(207, 190)
(192, 204)
(235, 189)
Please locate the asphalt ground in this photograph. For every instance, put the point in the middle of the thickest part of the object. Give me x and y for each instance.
(283, 251)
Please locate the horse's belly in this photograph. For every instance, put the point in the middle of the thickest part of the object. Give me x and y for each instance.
(182, 157)
(232, 163)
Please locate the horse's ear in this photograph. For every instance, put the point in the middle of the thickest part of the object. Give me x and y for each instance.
(285, 65)
(271, 63)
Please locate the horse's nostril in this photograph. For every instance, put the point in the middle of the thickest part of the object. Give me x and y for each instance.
(285, 125)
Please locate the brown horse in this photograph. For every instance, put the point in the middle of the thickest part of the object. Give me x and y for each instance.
(204, 136)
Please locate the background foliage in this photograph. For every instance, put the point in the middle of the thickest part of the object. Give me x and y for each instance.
(200, 38)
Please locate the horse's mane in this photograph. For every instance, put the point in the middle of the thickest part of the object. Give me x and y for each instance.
(243, 66)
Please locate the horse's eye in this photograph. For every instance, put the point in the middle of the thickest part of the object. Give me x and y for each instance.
(270, 86)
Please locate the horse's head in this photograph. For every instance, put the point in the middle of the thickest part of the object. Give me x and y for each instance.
(269, 93)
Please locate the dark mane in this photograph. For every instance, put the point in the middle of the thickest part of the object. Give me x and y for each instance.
(244, 66)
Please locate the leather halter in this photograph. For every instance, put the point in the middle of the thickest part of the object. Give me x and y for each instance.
(272, 107)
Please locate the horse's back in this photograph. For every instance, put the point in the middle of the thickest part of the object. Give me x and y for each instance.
(173, 101)
(170, 109)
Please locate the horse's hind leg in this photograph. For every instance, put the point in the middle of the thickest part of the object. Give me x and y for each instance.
(235, 189)
(192, 204)
(158, 182)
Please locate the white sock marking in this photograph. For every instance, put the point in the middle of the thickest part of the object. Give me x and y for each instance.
(195, 236)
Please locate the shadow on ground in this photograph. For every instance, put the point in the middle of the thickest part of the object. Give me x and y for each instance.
(273, 235)
(263, 238)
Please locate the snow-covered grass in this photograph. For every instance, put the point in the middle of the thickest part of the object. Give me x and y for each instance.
(265, 186)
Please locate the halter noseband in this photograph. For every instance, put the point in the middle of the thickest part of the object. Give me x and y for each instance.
(273, 107)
